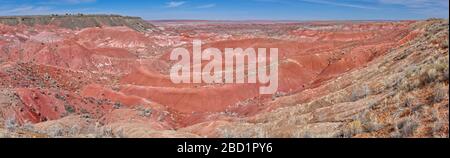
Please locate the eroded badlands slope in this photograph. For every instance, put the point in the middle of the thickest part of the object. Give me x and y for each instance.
(346, 79)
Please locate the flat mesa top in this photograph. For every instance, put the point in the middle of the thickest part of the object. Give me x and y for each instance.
(65, 16)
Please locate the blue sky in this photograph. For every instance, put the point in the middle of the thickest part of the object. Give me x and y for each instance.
(238, 9)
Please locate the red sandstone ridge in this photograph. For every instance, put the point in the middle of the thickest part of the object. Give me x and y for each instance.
(336, 79)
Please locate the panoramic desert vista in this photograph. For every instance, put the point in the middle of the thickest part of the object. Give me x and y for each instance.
(108, 76)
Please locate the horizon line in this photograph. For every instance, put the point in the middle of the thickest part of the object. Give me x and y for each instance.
(220, 20)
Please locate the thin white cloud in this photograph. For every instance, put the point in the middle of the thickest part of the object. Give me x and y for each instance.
(175, 4)
(25, 10)
(340, 4)
(430, 8)
(206, 6)
(417, 3)
(78, 1)
(64, 2)
(270, 1)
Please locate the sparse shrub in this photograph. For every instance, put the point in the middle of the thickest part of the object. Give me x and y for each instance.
(162, 116)
(277, 95)
(368, 124)
(226, 133)
(409, 85)
(372, 104)
(392, 81)
(60, 97)
(55, 131)
(360, 93)
(69, 108)
(444, 44)
(440, 93)
(430, 75)
(435, 72)
(11, 124)
(353, 128)
(105, 133)
(117, 105)
(119, 134)
(396, 134)
(4, 134)
(407, 127)
(442, 66)
(86, 116)
(28, 126)
(405, 85)
(74, 131)
(145, 112)
(344, 133)
(305, 134)
(259, 132)
(408, 101)
(439, 129)
(415, 84)
(446, 77)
